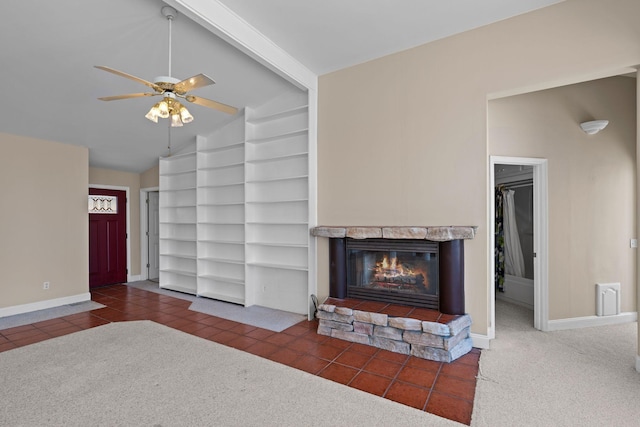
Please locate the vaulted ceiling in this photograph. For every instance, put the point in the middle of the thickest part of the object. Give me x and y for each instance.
(49, 49)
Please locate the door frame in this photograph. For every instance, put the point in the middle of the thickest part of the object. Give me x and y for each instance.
(540, 239)
(126, 190)
(144, 224)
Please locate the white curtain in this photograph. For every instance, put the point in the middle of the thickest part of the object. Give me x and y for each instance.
(513, 259)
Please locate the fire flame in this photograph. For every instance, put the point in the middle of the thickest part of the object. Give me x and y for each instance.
(393, 273)
(393, 268)
(389, 269)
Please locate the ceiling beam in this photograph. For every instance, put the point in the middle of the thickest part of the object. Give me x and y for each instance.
(224, 23)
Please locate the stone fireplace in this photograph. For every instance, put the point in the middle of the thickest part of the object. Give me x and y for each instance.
(376, 271)
(417, 266)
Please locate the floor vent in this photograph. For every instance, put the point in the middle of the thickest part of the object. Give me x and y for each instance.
(607, 299)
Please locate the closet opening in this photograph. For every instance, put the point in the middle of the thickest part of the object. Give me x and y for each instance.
(514, 234)
(524, 181)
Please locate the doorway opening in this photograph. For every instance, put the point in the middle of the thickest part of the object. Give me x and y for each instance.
(150, 234)
(525, 283)
(153, 236)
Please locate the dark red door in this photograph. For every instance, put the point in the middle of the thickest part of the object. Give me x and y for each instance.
(107, 237)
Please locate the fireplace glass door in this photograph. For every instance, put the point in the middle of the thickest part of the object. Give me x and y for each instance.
(394, 271)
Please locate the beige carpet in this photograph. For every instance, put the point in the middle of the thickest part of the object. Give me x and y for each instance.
(145, 374)
(582, 377)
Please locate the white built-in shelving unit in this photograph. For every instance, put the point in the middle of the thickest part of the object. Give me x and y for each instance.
(243, 223)
(221, 213)
(178, 214)
(277, 203)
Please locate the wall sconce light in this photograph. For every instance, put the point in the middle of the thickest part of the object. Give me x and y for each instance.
(594, 126)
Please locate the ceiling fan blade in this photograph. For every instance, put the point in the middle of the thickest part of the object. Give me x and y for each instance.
(192, 83)
(212, 104)
(127, 96)
(130, 77)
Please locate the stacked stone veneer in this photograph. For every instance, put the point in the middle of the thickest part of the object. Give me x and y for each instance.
(442, 342)
(436, 234)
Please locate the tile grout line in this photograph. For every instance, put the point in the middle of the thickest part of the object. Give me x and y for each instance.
(361, 368)
(45, 332)
(424, 408)
(395, 378)
(331, 361)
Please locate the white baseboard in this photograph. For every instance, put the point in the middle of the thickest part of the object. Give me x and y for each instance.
(134, 278)
(502, 297)
(41, 305)
(517, 290)
(589, 321)
(480, 341)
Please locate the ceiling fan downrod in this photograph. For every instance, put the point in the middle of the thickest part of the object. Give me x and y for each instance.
(169, 13)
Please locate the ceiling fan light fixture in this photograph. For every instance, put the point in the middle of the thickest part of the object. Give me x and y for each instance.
(163, 109)
(185, 115)
(153, 114)
(175, 121)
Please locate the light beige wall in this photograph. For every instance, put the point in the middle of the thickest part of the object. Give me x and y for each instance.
(108, 177)
(43, 220)
(592, 184)
(402, 140)
(150, 178)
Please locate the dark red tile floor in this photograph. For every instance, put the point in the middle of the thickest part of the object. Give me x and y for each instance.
(443, 389)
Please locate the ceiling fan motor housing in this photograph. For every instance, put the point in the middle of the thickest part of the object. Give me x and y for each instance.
(166, 83)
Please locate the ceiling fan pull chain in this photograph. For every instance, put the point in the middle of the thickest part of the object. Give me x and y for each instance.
(169, 138)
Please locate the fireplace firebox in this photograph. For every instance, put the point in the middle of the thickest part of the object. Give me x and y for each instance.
(393, 271)
(417, 272)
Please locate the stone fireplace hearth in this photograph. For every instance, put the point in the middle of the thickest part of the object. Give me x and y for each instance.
(422, 333)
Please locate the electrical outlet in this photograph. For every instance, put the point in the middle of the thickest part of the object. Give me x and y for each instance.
(634, 243)
(45, 285)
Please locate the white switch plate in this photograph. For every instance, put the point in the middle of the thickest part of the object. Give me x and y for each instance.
(634, 243)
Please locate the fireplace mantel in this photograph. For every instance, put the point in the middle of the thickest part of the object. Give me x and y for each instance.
(436, 234)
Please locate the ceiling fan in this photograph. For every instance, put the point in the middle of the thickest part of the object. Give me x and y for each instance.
(170, 89)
